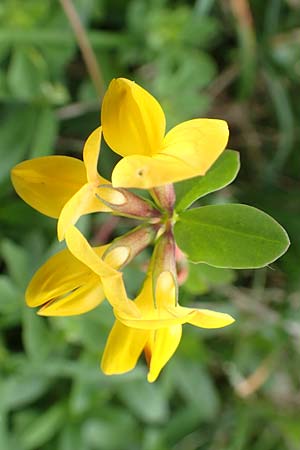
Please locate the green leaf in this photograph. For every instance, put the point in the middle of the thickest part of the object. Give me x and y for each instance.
(219, 175)
(17, 261)
(36, 337)
(197, 387)
(18, 390)
(11, 300)
(44, 427)
(17, 126)
(102, 428)
(232, 235)
(138, 394)
(46, 131)
(26, 73)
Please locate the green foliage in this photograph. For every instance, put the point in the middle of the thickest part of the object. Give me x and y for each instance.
(200, 58)
(219, 175)
(233, 236)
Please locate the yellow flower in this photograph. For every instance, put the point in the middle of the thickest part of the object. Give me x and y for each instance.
(134, 127)
(149, 323)
(157, 332)
(64, 187)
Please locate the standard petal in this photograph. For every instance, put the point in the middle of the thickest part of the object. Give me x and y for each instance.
(205, 318)
(123, 348)
(188, 150)
(47, 183)
(59, 275)
(133, 121)
(162, 348)
(81, 300)
(84, 201)
(146, 172)
(197, 142)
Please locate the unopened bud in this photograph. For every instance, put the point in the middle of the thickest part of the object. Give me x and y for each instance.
(164, 253)
(125, 203)
(164, 263)
(165, 196)
(117, 256)
(111, 196)
(129, 245)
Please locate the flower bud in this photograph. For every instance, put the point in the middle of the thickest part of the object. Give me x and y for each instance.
(164, 264)
(123, 249)
(164, 196)
(126, 203)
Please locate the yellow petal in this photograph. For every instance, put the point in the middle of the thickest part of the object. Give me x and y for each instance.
(188, 150)
(83, 202)
(163, 346)
(112, 280)
(165, 317)
(117, 256)
(83, 299)
(47, 183)
(197, 143)
(162, 311)
(115, 293)
(144, 172)
(59, 275)
(133, 121)
(152, 320)
(205, 318)
(52, 279)
(91, 152)
(123, 348)
(81, 249)
(165, 290)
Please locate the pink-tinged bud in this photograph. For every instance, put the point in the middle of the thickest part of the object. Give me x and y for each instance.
(181, 265)
(124, 248)
(125, 203)
(164, 196)
(164, 261)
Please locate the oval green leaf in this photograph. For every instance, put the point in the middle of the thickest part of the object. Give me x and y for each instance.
(222, 173)
(232, 235)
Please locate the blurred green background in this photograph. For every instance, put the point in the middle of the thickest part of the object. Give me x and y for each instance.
(231, 389)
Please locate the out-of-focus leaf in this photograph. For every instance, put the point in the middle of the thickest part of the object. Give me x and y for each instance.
(103, 429)
(183, 422)
(17, 261)
(36, 337)
(196, 386)
(26, 73)
(4, 432)
(202, 277)
(10, 301)
(146, 400)
(70, 437)
(20, 390)
(284, 113)
(15, 137)
(46, 131)
(44, 427)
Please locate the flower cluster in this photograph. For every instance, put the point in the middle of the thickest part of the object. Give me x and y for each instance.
(80, 277)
